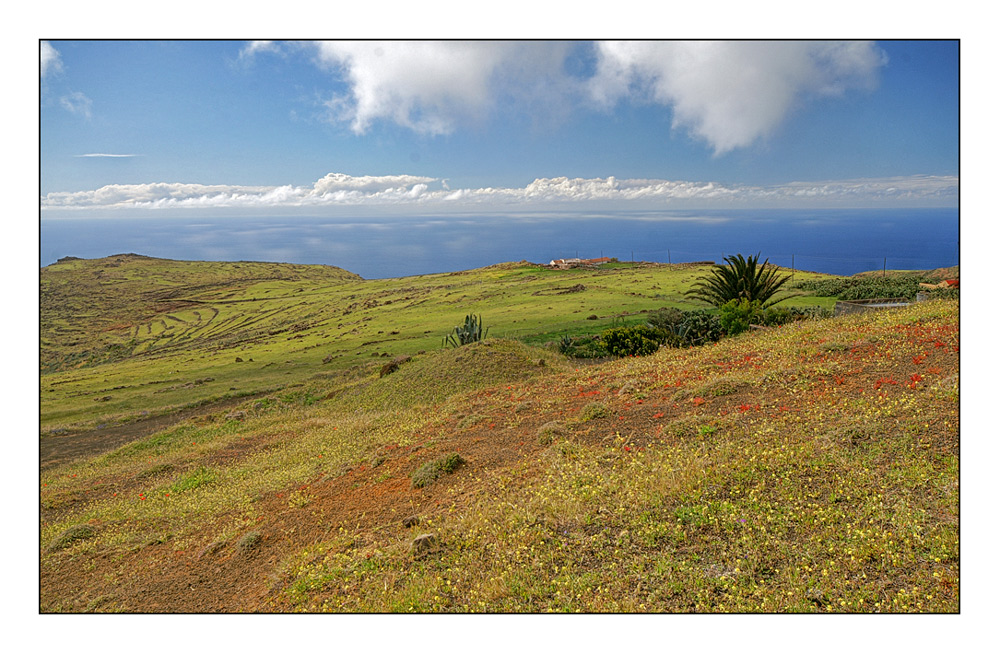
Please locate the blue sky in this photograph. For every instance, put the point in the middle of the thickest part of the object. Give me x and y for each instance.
(321, 127)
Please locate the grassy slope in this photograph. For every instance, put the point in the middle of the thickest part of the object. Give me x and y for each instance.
(126, 337)
(807, 468)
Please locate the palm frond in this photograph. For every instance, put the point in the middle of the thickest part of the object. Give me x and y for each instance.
(741, 277)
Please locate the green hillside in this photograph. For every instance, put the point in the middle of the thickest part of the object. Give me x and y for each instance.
(811, 467)
(185, 333)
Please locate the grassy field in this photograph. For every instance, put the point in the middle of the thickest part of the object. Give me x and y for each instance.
(184, 333)
(807, 468)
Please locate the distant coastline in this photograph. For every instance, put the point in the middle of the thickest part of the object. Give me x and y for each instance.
(833, 241)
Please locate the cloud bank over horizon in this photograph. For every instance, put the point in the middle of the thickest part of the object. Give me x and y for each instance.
(411, 193)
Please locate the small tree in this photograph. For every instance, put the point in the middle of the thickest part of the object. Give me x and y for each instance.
(741, 278)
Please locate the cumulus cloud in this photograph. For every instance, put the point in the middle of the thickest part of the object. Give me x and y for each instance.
(431, 87)
(334, 182)
(731, 93)
(728, 94)
(412, 192)
(51, 62)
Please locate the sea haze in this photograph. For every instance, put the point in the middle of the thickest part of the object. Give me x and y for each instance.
(841, 242)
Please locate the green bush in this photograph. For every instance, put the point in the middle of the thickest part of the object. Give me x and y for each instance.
(549, 432)
(823, 287)
(638, 340)
(700, 327)
(431, 470)
(665, 319)
(943, 294)
(736, 316)
(592, 411)
(776, 316)
(865, 288)
(665, 324)
(250, 541)
(583, 347)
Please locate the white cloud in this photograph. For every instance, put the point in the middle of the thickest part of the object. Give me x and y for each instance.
(731, 93)
(51, 62)
(155, 195)
(77, 103)
(431, 87)
(251, 49)
(416, 193)
(334, 182)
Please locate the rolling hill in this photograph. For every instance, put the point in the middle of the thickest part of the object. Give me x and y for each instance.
(807, 468)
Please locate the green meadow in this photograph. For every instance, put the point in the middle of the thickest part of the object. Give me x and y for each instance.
(127, 337)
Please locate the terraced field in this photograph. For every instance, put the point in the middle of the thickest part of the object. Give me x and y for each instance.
(180, 334)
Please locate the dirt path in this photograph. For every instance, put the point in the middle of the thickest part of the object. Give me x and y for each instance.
(64, 448)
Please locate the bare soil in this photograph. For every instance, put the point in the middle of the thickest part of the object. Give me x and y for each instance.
(59, 449)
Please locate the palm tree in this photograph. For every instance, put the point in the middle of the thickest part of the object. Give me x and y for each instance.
(740, 278)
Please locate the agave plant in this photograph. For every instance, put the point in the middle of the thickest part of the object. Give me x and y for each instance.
(470, 332)
(740, 278)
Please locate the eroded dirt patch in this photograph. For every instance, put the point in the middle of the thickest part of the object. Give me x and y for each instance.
(60, 449)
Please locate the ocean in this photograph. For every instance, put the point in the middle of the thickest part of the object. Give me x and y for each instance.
(836, 241)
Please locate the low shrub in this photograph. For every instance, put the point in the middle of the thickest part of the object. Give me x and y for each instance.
(736, 316)
(431, 470)
(158, 469)
(773, 316)
(70, 536)
(943, 293)
(638, 340)
(700, 327)
(549, 431)
(823, 287)
(665, 319)
(865, 288)
(246, 544)
(583, 347)
(592, 411)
